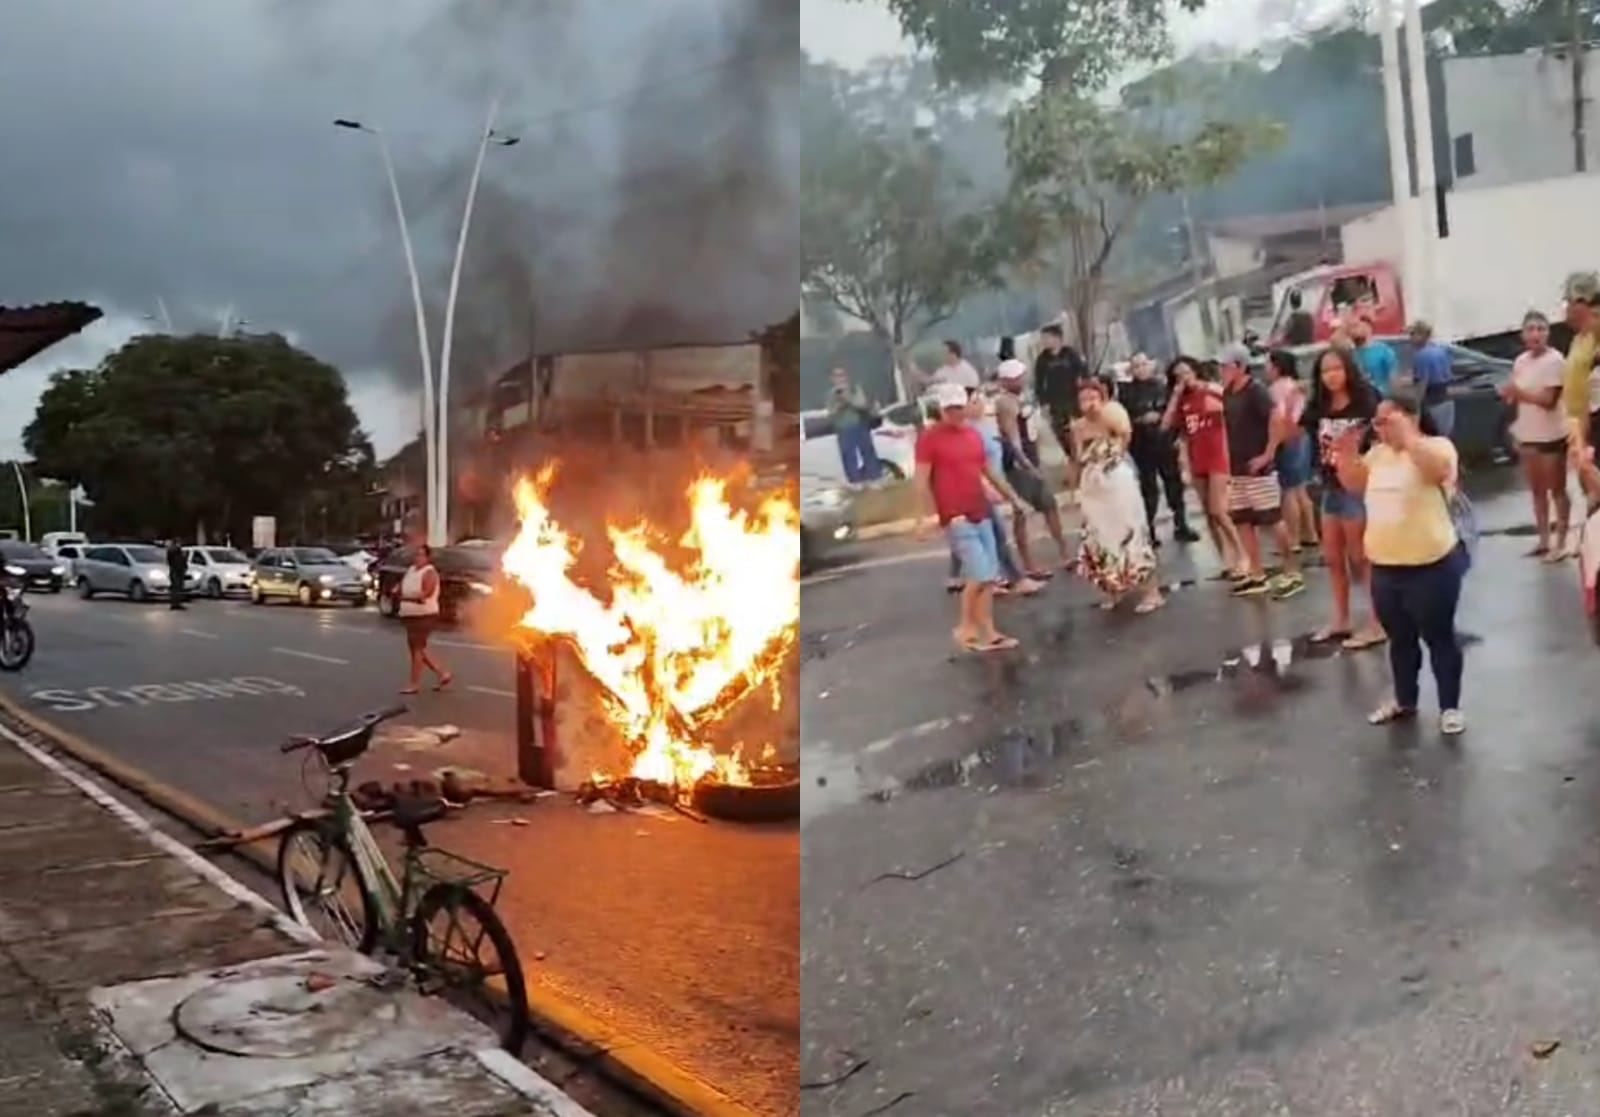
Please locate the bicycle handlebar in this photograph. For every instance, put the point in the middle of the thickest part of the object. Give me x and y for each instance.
(367, 720)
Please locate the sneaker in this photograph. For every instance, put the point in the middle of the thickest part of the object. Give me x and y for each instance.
(1285, 586)
(1253, 585)
(1185, 534)
(1452, 723)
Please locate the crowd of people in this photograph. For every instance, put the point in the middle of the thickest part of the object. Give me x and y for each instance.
(1353, 458)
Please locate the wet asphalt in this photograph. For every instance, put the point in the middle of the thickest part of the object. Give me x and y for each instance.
(1162, 865)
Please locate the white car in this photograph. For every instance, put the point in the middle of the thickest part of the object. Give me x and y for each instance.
(219, 571)
(895, 440)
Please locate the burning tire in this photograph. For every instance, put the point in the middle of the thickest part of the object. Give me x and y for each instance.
(752, 802)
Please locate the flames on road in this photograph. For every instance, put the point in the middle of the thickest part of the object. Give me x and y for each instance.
(674, 645)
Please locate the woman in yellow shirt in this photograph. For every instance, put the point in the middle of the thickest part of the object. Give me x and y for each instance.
(1416, 556)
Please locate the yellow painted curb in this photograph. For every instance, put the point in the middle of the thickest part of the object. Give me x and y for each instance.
(629, 1062)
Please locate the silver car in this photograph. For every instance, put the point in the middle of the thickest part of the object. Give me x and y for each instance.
(827, 519)
(309, 575)
(137, 571)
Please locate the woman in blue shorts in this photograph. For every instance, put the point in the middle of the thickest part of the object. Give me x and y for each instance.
(1343, 404)
(1294, 449)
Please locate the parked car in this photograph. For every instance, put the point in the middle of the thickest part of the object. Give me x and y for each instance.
(1483, 421)
(308, 575)
(895, 439)
(54, 541)
(31, 565)
(827, 520)
(219, 571)
(137, 571)
(468, 574)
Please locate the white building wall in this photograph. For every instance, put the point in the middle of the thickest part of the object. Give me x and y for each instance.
(1234, 255)
(1514, 113)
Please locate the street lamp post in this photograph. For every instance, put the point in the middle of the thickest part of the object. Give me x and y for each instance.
(429, 413)
(435, 414)
(490, 136)
(27, 512)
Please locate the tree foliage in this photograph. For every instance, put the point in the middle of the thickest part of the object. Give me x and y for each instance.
(1069, 44)
(171, 433)
(1083, 172)
(891, 230)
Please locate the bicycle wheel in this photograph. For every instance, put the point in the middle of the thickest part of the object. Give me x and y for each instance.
(322, 888)
(446, 945)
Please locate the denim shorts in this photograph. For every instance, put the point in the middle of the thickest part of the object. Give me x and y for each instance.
(1294, 463)
(1343, 505)
(976, 548)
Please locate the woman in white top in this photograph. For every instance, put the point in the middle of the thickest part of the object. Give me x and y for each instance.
(1540, 428)
(418, 606)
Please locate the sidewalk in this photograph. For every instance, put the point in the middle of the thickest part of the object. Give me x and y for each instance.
(138, 980)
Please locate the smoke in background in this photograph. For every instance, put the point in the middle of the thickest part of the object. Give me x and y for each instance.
(651, 199)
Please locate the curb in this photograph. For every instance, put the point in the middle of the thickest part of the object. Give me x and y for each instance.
(574, 1029)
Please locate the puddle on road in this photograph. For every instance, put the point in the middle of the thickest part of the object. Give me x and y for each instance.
(1023, 758)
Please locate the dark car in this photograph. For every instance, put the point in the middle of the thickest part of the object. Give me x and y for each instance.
(33, 566)
(468, 574)
(1483, 421)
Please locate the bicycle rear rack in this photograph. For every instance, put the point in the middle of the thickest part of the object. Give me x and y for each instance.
(443, 867)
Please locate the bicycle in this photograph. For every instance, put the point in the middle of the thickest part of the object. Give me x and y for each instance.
(333, 867)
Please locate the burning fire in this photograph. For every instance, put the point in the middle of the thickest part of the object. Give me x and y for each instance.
(672, 649)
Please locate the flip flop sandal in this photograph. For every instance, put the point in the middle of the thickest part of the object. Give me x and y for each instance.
(1040, 575)
(408, 690)
(1329, 635)
(1147, 607)
(998, 644)
(1537, 552)
(1362, 643)
(1555, 557)
(444, 683)
(1389, 712)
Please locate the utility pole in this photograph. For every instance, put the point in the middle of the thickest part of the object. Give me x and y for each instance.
(1197, 271)
(1580, 139)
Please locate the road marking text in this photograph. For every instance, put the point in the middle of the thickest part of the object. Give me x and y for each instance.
(97, 697)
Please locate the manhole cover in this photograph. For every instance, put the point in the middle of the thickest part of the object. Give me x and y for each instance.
(277, 1016)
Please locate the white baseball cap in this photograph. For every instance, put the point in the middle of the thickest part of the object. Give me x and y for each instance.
(949, 395)
(1011, 369)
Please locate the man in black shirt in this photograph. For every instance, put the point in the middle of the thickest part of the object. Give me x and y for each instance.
(1056, 372)
(1154, 452)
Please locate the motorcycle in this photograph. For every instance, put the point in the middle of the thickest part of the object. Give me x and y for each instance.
(16, 634)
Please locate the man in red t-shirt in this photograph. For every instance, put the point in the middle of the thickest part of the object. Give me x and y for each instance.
(1196, 411)
(954, 467)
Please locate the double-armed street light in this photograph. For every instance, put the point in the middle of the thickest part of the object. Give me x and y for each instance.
(435, 404)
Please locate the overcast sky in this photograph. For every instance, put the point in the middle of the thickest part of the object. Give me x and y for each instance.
(168, 149)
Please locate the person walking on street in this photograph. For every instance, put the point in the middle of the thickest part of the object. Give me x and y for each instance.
(953, 468)
(1115, 555)
(1195, 411)
(418, 594)
(1418, 559)
(1154, 450)
(1057, 370)
(1342, 407)
(1013, 579)
(1294, 449)
(177, 573)
(1430, 368)
(1540, 428)
(1255, 494)
(1378, 362)
(1020, 447)
(851, 418)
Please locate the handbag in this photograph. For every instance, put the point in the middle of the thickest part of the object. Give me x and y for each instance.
(1463, 517)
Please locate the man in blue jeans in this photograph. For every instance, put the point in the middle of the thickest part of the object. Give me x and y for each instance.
(953, 466)
(851, 417)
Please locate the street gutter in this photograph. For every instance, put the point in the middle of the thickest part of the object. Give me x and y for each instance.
(574, 1030)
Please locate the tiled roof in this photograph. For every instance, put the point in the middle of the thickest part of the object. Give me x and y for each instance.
(29, 330)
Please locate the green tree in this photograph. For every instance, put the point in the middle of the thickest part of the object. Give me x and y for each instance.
(176, 435)
(1083, 171)
(1076, 44)
(891, 231)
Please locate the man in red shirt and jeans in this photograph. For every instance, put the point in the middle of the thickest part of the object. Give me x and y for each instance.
(955, 469)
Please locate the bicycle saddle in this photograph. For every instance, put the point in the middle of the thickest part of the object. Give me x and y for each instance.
(412, 811)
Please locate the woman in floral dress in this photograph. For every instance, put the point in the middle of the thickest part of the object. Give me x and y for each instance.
(1117, 555)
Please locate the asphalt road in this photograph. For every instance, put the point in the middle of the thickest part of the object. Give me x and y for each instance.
(1162, 865)
(680, 935)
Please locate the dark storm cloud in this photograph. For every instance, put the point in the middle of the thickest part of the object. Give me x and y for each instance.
(184, 150)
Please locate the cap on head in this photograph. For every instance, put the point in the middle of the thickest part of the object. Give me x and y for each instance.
(1581, 286)
(1234, 354)
(1420, 328)
(1011, 371)
(948, 396)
